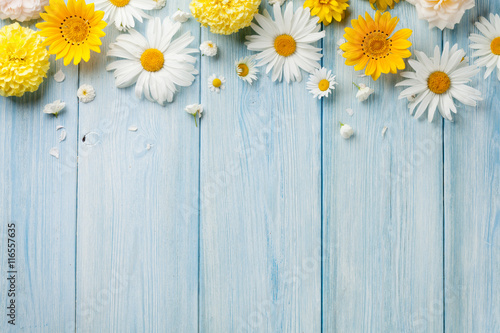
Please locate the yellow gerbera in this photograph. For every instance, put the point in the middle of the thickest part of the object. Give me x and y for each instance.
(383, 4)
(24, 61)
(327, 10)
(72, 31)
(224, 16)
(369, 44)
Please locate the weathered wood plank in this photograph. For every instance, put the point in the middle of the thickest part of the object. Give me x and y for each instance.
(383, 210)
(38, 194)
(137, 250)
(260, 187)
(472, 200)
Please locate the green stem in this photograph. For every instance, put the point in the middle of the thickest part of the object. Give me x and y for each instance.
(195, 120)
(359, 88)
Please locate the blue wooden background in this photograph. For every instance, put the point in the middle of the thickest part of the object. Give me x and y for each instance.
(262, 219)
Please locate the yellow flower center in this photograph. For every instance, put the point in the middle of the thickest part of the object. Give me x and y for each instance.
(495, 46)
(324, 2)
(285, 45)
(376, 45)
(75, 29)
(119, 3)
(152, 60)
(243, 70)
(217, 83)
(439, 82)
(324, 85)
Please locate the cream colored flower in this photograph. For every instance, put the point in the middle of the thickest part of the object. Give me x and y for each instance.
(180, 16)
(54, 107)
(86, 93)
(442, 13)
(208, 48)
(196, 110)
(346, 131)
(363, 92)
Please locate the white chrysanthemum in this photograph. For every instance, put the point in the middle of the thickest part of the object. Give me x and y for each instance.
(442, 13)
(86, 93)
(156, 64)
(487, 46)
(22, 10)
(321, 83)
(216, 83)
(208, 49)
(246, 70)
(196, 110)
(285, 43)
(123, 13)
(436, 81)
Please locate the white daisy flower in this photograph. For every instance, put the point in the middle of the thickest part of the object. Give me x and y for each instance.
(180, 16)
(246, 70)
(487, 46)
(208, 49)
(54, 107)
(196, 110)
(321, 83)
(437, 80)
(284, 45)
(86, 93)
(123, 12)
(157, 64)
(216, 83)
(442, 13)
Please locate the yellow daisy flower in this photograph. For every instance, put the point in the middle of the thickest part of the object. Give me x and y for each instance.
(224, 16)
(369, 44)
(383, 4)
(327, 10)
(72, 31)
(24, 61)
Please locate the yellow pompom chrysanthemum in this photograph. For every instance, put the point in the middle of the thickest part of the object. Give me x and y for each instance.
(224, 16)
(383, 4)
(72, 30)
(24, 61)
(327, 10)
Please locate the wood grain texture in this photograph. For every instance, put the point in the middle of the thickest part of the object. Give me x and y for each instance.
(137, 250)
(38, 194)
(472, 199)
(260, 187)
(383, 209)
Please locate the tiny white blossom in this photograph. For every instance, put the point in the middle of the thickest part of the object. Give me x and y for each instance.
(54, 107)
(346, 131)
(160, 4)
(180, 16)
(86, 93)
(363, 92)
(208, 48)
(196, 110)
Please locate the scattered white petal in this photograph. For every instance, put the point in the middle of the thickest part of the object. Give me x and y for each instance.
(149, 146)
(54, 152)
(59, 76)
(208, 48)
(86, 93)
(54, 107)
(62, 136)
(384, 130)
(181, 16)
(160, 4)
(346, 131)
(133, 128)
(349, 111)
(59, 127)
